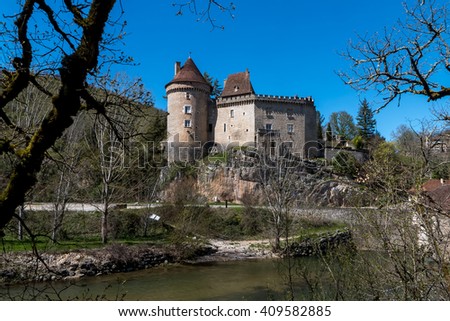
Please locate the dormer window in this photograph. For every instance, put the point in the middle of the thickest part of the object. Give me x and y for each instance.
(236, 88)
(188, 109)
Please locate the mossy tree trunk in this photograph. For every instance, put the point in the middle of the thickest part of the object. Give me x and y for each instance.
(73, 72)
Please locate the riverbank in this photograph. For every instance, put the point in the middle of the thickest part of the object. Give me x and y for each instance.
(238, 250)
(115, 258)
(25, 267)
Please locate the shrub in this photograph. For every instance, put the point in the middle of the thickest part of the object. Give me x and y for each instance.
(126, 224)
(254, 220)
(344, 163)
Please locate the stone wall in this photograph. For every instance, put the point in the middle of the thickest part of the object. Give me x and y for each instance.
(243, 121)
(321, 244)
(235, 124)
(360, 155)
(113, 259)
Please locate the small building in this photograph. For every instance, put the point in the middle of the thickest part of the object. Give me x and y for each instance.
(238, 117)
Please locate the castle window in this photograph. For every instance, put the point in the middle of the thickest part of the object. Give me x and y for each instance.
(188, 96)
(290, 128)
(188, 109)
(187, 123)
(268, 126)
(232, 113)
(224, 128)
(269, 112)
(273, 149)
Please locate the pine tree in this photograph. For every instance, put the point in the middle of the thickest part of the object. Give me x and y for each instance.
(215, 84)
(320, 119)
(329, 133)
(365, 121)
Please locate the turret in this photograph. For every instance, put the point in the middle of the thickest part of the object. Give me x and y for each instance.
(188, 94)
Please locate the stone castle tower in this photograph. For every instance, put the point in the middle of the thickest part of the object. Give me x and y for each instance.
(188, 99)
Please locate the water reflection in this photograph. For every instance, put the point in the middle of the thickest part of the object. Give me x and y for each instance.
(236, 280)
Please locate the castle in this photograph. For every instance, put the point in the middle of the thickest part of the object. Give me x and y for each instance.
(238, 117)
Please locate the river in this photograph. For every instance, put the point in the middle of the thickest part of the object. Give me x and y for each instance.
(233, 280)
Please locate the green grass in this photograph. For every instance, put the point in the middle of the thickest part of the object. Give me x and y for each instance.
(313, 232)
(42, 244)
(158, 236)
(82, 230)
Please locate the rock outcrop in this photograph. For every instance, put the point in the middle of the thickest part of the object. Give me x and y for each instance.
(314, 185)
(112, 259)
(321, 245)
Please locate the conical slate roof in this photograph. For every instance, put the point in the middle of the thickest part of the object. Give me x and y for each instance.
(188, 73)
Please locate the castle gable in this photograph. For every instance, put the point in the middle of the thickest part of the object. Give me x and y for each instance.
(238, 84)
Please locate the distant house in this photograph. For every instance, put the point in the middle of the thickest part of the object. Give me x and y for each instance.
(439, 193)
(440, 143)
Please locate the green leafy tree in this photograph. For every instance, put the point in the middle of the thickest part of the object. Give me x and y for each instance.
(365, 121)
(344, 163)
(342, 125)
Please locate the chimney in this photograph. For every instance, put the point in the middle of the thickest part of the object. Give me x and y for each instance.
(177, 67)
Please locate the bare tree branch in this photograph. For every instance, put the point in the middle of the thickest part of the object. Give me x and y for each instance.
(18, 80)
(66, 104)
(410, 58)
(51, 17)
(204, 12)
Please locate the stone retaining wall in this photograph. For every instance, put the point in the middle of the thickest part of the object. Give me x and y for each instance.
(113, 259)
(321, 245)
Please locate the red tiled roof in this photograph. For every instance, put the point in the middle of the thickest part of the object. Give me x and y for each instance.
(188, 73)
(441, 197)
(433, 184)
(238, 84)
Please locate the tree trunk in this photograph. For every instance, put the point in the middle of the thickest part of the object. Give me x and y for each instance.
(105, 225)
(105, 212)
(66, 104)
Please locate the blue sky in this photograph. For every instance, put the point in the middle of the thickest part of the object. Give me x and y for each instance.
(291, 47)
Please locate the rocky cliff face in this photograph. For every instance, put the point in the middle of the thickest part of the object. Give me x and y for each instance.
(219, 183)
(241, 183)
